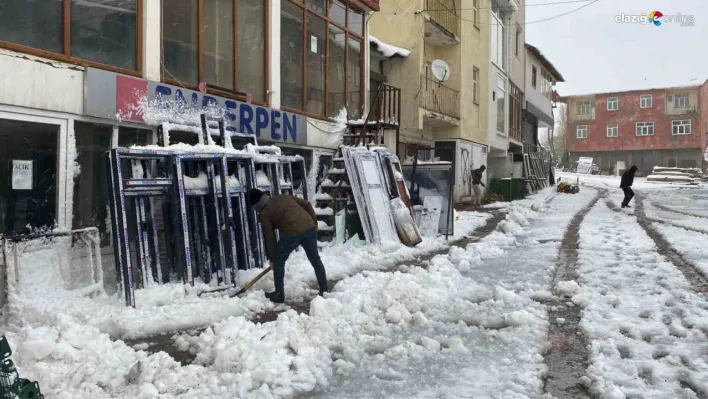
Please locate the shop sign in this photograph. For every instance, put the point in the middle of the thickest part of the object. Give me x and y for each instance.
(114, 96)
(22, 174)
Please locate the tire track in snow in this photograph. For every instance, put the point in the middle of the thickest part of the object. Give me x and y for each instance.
(668, 209)
(567, 358)
(697, 280)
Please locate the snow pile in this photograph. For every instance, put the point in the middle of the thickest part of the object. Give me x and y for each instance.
(388, 50)
(393, 319)
(644, 322)
(567, 288)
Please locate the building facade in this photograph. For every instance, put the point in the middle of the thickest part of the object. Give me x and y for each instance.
(538, 117)
(456, 117)
(80, 78)
(655, 127)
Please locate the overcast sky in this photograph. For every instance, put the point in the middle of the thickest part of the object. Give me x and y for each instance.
(594, 53)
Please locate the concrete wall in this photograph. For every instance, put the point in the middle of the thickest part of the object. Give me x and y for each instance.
(474, 53)
(34, 82)
(626, 117)
(403, 29)
(534, 95)
(518, 63)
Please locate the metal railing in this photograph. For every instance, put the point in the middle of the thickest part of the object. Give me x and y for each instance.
(437, 97)
(584, 116)
(387, 107)
(442, 15)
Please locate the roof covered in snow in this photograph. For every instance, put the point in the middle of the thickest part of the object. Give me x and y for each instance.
(388, 50)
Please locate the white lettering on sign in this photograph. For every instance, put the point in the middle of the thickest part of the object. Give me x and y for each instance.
(22, 174)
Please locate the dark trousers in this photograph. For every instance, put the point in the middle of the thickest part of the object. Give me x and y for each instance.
(628, 195)
(286, 245)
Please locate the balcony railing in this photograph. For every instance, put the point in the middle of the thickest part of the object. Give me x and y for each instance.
(442, 15)
(673, 110)
(387, 104)
(585, 116)
(435, 96)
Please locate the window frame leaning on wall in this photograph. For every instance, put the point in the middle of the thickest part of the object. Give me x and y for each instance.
(67, 37)
(199, 38)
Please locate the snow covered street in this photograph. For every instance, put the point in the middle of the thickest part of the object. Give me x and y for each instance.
(557, 295)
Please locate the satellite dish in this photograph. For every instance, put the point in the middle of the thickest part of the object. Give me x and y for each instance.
(440, 70)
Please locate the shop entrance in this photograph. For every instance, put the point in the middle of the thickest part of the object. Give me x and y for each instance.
(28, 160)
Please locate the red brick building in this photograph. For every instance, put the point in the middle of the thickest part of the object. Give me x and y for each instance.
(654, 127)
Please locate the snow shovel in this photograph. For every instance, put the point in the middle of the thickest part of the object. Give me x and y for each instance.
(242, 290)
(252, 282)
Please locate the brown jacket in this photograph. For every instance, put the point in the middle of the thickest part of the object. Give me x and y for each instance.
(290, 215)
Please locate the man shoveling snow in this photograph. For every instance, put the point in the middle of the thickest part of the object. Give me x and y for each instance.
(626, 185)
(296, 222)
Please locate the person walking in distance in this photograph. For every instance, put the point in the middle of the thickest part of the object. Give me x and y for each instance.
(626, 185)
(476, 182)
(296, 222)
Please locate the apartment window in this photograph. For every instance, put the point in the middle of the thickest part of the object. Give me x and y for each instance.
(584, 108)
(201, 45)
(534, 75)
(645, 128)
(82, 32)
(546, 84)
(497, 32)
(475, 85)
(612, 130)
(680, 127)
(321, 57)
(581, 131)
(517, 40)
(501, 104)
(475, 16)
(645, 101)
(680, 100)
(612, 103)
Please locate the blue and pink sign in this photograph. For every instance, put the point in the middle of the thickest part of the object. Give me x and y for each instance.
(110, 95)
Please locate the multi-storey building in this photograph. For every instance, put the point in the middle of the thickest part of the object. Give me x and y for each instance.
(79, 78)
(457, 117)
(541, 76)
(653, 127)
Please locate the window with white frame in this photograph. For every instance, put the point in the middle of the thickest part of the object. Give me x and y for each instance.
(612, 103)
(679, 100)
(584, 107)
(612, 130)
(645, 101)
(679, 127)
(497, 33)
(645, 128)
(581, 131)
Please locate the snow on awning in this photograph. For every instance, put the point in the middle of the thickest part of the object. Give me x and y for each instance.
(388, 50)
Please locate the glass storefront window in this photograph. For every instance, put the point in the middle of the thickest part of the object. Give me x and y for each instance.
(91, 184)
(28, 195)
(99, 31)
(225, 48)
(334, 36)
